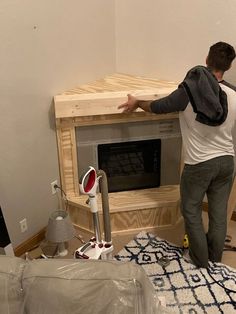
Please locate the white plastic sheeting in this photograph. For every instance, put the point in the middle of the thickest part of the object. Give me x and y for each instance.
(64, 286)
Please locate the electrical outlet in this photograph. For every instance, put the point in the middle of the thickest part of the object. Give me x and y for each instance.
(23, 225)
(54, 191)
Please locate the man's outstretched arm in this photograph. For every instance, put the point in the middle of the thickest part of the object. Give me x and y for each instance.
(176, 101)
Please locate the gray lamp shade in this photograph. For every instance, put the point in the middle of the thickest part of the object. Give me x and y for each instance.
(60, 228)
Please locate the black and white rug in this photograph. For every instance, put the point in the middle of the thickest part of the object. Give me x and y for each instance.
(186, 288)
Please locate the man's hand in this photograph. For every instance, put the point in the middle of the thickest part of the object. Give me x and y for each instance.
(131, 104)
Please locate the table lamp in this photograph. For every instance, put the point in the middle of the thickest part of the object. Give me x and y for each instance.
(60, 230)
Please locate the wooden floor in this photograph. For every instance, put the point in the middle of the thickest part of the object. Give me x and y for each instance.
(175, 237)
(229, 258)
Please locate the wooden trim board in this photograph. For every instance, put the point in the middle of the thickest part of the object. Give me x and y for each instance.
(30, 243)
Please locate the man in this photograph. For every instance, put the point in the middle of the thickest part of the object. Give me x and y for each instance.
(207, 113)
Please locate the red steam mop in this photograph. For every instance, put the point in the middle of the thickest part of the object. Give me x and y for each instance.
(96, 248)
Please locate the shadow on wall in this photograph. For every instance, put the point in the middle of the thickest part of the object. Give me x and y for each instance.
(51, 116)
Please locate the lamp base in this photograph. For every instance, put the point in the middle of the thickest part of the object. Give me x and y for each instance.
(61, 250)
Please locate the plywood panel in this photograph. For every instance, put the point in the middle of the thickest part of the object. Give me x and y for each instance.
(128, 220)
(131, 210)
(166, 196)
(119, 82)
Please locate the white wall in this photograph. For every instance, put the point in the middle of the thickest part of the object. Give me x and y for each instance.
(46, 47)
(164, 38)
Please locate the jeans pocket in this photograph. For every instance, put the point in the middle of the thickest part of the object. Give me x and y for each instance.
(199, 174)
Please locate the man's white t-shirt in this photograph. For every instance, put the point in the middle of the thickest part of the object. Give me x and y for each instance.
(202, 142)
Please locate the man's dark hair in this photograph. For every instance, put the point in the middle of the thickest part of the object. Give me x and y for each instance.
(220, 56)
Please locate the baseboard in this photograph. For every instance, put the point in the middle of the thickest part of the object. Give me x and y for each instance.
(30, 243)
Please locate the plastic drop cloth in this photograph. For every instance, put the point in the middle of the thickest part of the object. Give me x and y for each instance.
(11, 294)
(64, 286)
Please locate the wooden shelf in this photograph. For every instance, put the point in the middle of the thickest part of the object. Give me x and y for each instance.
(164, 196)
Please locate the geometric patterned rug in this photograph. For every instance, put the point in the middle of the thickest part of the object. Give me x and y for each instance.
(186, 288)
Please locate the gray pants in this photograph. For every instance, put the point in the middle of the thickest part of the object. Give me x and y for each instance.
(213, 178)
